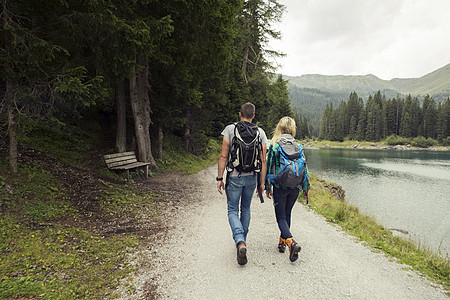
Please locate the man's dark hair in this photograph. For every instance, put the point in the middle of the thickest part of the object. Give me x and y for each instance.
(247, 110)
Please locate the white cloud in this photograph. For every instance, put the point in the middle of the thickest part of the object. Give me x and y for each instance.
(387, 38)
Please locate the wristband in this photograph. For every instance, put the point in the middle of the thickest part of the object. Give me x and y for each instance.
(219, 178)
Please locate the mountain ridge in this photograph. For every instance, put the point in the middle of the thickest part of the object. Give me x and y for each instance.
(435, 83)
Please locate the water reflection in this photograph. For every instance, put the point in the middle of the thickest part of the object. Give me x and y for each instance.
(409, 190)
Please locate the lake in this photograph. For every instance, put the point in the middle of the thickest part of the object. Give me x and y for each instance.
(408, 190)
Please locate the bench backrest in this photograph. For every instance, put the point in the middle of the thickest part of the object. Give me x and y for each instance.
(120, 159)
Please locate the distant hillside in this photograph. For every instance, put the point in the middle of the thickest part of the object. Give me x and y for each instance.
(310, 94)
(436, 84)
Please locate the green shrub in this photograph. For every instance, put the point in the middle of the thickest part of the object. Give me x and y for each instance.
(422, 142)
(212, 147)
(446, 141)
(396, 140)
(432, 142)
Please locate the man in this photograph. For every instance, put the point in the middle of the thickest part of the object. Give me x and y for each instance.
(240, 186)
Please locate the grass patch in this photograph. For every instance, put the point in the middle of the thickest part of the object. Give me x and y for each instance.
(70, 144)
(45, 254)
(45, 251)
(124, 201)
(324, 143)
(63, 262)
(368, 230)
(176, 158)
(32, 193)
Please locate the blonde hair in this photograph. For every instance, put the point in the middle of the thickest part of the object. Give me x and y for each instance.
(285, 125)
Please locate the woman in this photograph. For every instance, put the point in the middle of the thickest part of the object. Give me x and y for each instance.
(284, 197)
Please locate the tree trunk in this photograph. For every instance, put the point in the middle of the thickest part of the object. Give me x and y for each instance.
(140, 104)
(247, 45)
(187, 131)
(121, 134)
(159, 153)
(10, 92)
(12, 129)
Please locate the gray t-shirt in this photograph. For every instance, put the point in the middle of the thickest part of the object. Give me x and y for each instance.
(229, 133)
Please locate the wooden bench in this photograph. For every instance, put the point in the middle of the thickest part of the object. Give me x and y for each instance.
(124, 161)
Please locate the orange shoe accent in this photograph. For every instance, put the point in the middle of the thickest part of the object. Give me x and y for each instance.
(281, 245)
(289, 242)
(294, 249)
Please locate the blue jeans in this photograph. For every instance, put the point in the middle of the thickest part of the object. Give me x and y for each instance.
(239, 195)
(284, 200)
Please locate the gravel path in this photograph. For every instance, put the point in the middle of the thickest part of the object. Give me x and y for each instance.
(197, 260)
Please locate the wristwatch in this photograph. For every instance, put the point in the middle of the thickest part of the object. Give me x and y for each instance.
(219, 178)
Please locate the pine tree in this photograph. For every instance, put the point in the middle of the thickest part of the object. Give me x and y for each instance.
(305, 128)
(353, 127)
(388, 118)
(41, 71)
(406, 127)
(324, 133)
(361, 127)
(443, 122)
(339, 121)
(397, 108)
(334, 129)
(281, 106)
(343, 120)
(353, 113)
(374, 121)
(302, 127)
(429, 117)
(416, 116)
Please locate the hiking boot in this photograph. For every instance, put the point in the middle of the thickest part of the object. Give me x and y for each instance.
(241, 253)
(282, 245)
(294, 249)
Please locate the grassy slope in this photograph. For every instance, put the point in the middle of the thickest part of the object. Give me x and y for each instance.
(49, 248)
(436, 82)
(55, 241)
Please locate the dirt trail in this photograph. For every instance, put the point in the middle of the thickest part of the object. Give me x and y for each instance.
(197, 258)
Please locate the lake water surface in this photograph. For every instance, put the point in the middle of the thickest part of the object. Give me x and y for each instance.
(407, 190)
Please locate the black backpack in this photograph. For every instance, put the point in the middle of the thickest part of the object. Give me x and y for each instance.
(245, 148)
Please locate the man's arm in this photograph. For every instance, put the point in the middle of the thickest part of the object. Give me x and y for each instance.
(223, 158)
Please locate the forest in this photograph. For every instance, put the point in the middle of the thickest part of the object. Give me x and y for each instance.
(310, 103)
(151, 68)
(399, 119)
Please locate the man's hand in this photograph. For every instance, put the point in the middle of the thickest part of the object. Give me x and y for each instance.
(220, 186)
(269, 194)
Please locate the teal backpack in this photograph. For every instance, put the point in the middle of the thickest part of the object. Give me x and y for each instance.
(292, 172)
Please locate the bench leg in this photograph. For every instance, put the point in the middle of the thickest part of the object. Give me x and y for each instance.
(128, 175)
(146, 171)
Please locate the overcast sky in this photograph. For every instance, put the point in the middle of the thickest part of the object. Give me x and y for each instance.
(387, 38)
